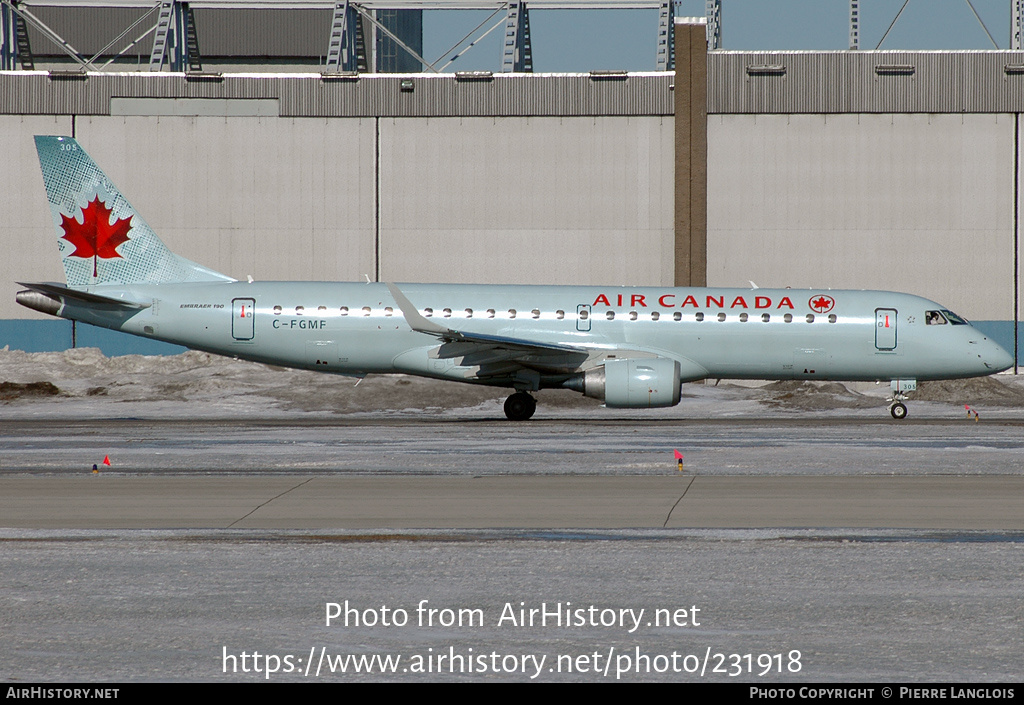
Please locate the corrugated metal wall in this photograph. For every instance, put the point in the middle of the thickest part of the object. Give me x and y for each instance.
(738, 83)
(379, 95)
(866, 82)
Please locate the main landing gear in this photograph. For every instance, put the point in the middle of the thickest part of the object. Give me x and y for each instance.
(520, 406)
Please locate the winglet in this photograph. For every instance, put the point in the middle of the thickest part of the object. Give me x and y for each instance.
(415, 319)
(420, 324)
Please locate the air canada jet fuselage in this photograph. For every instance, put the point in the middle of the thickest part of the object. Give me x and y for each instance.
(629, 347)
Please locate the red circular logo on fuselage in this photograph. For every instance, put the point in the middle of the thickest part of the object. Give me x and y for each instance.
(821, 303)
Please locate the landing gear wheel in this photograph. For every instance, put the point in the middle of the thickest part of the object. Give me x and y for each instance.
(520, 406)
(898, 411)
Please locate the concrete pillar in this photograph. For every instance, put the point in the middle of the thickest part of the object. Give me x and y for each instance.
(691, 206)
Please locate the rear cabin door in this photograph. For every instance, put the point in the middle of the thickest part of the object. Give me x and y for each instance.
(885, 328)
(243, 318)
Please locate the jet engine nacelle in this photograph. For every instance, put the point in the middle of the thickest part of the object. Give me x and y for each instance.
(634, 383)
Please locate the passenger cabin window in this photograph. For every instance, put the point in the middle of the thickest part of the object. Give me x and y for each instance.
(677, 316)
(559, 314)
(788, 318)
(447, 313)
(322, 310)
(765, 317)
(632, 315)
(584, 314)
(743, 318)
(366, 310)
(277, 310)
(428, 312)
(610, 315)
(655, 315)
(299, 310)
(490, 313)
(832, 318)
(699, 316)
(535, 313)
(810, 318)
(344, 310)
(469, 313)
(934, 318)
(721, 317)
(388, 310)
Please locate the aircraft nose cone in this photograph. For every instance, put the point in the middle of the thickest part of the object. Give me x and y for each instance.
(996, 358)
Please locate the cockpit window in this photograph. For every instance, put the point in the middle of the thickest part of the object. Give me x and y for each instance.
(955, 319)
(934, 318)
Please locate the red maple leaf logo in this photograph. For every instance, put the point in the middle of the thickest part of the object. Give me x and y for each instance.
(822, 304)
(96, 236)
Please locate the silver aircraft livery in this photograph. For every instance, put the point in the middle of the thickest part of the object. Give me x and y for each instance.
(630, 347)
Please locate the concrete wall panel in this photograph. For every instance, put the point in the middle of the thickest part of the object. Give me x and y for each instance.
(277, 198)
(530, 200)
(29, 251)
(915, 202)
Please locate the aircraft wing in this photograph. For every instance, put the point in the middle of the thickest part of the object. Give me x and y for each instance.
(477, 342)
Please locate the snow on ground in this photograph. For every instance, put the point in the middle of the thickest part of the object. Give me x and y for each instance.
(84, 381)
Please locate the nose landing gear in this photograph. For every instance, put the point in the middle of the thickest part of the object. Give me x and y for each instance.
(520, 406)
(900, 387)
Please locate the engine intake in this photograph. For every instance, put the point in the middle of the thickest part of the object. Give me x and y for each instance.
(634, 383)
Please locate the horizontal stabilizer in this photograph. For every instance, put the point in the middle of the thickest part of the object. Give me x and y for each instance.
(63, 294)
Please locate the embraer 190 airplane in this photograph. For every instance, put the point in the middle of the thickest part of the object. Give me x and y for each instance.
(631, 347)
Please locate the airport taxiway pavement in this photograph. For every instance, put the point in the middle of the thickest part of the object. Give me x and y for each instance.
(471, 473)
(519, 502)
(210, 537)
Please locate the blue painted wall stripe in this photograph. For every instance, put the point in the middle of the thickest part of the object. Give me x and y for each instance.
(55, 336)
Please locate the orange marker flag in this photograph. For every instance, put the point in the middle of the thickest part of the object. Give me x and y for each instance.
(106, 460)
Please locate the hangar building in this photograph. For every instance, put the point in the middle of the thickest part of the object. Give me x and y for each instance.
(887, 170)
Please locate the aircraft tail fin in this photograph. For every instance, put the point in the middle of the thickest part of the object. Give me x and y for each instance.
(102, 239)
